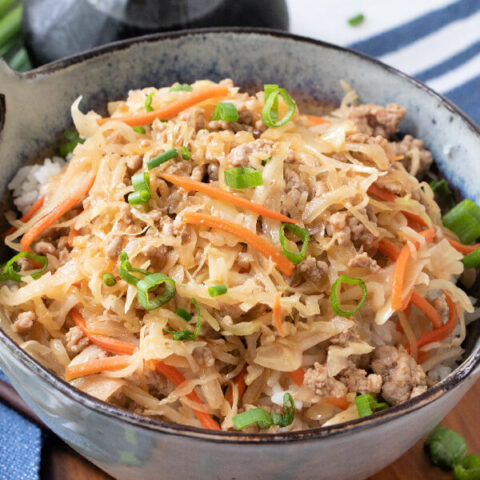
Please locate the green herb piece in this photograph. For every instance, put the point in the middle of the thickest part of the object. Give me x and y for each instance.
(302, 234)
(285, 419)
(270, 108)
(181, 312)
(109, 279)
(472, 260)
(162, 158)
(181, 87)
(464, 221)
(266, 160)
(468, 470)
(356, 20)
(181, 335)
(185, 153)
(126, 269)
(225, 111)
(445, 447)
(243, 177)
(11, 268)
(141, 187)
(366, 405)
(334, 295)
(217, 290)
(150, 282)
(139, 130)
(11, 25)
(148, 102)
(73, 140)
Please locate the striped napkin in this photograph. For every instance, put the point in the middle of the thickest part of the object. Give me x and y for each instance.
(436, 41)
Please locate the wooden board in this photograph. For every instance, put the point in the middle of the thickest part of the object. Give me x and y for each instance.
(62, 463)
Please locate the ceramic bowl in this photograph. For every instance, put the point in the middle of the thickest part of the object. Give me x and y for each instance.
(34, 109)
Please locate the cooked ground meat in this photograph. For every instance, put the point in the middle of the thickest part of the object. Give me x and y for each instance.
(374, 120)
(406, 146)
(24, 322)
(347, 228)
(250, 154)
(114, 247)
(400, 373)
(194, 117)
(198, 172)
(357, 380)
(321, 383)
(157, 255)
(42, 248)
(243, 261)
(212, 171)
(133, 162)
(312, 269)
(76, 340)
(363, 260)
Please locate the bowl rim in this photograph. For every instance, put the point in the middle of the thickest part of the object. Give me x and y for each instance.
(153, 425)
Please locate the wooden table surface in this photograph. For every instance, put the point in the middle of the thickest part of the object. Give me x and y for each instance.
(62, 463)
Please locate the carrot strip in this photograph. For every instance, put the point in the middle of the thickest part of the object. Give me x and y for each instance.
(171, 109)
(277, 314)
(399, 277)
(30, 213)
(177, 378)
(96, 366)
(247, 236)
(107, 343)
(188, 184)
(460, 247)
(445, 330)
(388, 249)
(240, 383)
(339, 402)
(316, 120)
(297, 376)
(428, 309)
(48, 220)
(71, 235)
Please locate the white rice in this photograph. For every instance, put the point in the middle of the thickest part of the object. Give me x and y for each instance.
(26, 184)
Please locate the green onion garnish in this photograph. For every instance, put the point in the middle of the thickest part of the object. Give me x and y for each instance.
(469, 469)
(334, 295)
(472, 260)
(109, 279)
(181, 87)
(356, 20)
(150, 282)
(366, 405)
(11, 268)
(464, 221)
(445, 447)
(162, 158)
(225, 111)
(263, 419)
(302, 233)
(139, 130)
(125, 269)
(181, 312)
(73, 140)
(148, 102)
(141, 186)
(187, 334)
(266, 160)
(185, 153)
(270, 108)
(243, 177)
(217, 290)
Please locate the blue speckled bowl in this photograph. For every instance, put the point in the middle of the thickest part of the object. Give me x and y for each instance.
(34, 109)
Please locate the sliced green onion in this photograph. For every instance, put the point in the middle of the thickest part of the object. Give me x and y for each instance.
(11, 24)
(187, 334)
(445, 447)
(181, 87)
(285, 419)
(334, 295)
(266, 160)
(141, 185)
(217, 290)
(256, 415)
(366, 405)
(356, 20)
(148, 102)
(469, 469)
(472, 260)
(162, 158)
(443, 194)
(302, 233)
(11, 268)
(126, 268)
(139, 130)
(109, 279)
(464, 221)
(151, 281)
(181, 312)
(185, 153)
(270, 108)
(139, 198)
(5, 6)
(73, 140)
(243, 177)
(225, 111)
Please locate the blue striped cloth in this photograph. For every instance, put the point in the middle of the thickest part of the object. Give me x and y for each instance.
(436, 41)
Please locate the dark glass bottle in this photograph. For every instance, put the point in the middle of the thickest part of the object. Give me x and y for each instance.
(55, 29)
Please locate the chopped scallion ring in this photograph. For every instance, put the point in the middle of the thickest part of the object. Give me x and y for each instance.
(334, 295)
(148, 102)
(285, 419)
(151, 281)
(73, 140)
(225, 111)
(302, 233)
(217, 290)
(11, 268)
(181, 87)
(139, 130)
(464, 221)
(187, 334)
(141, 185)
(125, 269)
(270, 108)
(472, 260)
(366, 405)
(185, 153)
(162, 158)
(243, 177)
(109, 280)
(181, 312)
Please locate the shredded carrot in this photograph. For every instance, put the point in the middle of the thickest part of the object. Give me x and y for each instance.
(297, 376)
(277, 314)
(246, 235)
(428, 309)
(460, 247)
(414, 221)
(48, 220)
(240, 383)
(71, 235)
(399, 277)
(422, 357)
(177, 378)
(96, 366)
(388, 249)
(107, 343)
(170, 109)
(30, 213)
(339, 402)
(188, 184)
(316, 120)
